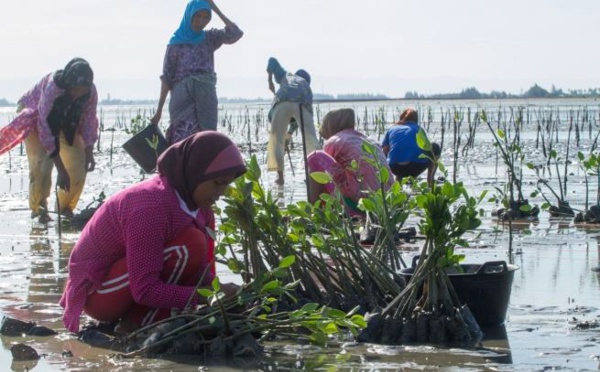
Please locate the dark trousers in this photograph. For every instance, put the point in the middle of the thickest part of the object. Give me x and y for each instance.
(414, 169)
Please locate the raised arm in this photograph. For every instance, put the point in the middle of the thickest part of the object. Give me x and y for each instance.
(271, 84)
(218, 12)
(274, 70)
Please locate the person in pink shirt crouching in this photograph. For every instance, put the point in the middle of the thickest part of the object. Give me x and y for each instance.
(343, 144)
(146, 248)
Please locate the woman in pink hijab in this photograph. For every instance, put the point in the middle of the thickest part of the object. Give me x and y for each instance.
(146, 248)
(343, 145)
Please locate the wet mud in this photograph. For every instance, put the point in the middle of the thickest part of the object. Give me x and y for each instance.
(552, 320)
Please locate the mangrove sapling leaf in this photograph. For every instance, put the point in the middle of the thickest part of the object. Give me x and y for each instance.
(270, 287)
(321, 177)
(204, 292)
(253, 172)
(422, 140)
(335, 313)
(154, 143)
(287, 262)
(234, 265)
(280, 273)
(216, 285)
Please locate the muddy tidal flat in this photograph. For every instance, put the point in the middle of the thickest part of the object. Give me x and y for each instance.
(553, 318)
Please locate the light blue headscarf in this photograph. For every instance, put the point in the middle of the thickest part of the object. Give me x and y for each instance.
(185, 34)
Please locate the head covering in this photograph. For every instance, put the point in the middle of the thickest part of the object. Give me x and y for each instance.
(66, 112)
(304, 75)
(200, 157)
(273, 67)
(336, 121)
(185, 34)
(408, 115)
(76, 72)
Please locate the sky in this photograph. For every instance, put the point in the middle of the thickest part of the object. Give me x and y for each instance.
(348, 46)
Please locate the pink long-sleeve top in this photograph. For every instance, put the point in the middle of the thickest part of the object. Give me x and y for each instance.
(345, 146)
(137, 222)
(41, 98)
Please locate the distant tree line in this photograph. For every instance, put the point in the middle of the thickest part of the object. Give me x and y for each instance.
(316, 97)
(535, 91)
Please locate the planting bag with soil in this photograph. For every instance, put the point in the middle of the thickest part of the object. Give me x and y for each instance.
(146, 146)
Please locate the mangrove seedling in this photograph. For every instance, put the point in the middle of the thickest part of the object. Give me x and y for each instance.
(330, 264)
(562, 208)
(591, 167)
(233, 327)
(428, 309)
(508, 142)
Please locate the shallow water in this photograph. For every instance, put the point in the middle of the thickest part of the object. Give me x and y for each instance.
(554, 289)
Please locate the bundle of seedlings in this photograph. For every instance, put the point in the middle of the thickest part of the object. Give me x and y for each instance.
(386, 212)
(331, 266)
(562, 207)
(507, 139)
(234, 327)
(428, 309)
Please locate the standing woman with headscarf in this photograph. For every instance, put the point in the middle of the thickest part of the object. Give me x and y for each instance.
(189, 71)
(146, 247)
(343, 145)
(57, 119)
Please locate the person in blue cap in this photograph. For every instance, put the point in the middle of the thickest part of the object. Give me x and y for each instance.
(294, 92)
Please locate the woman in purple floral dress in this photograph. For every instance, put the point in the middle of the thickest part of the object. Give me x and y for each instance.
(189, 71)
(57, 120)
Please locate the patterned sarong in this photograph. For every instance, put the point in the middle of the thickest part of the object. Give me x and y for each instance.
(193, 107)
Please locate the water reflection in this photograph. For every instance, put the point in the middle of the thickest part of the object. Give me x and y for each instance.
(43, 278)
(28, 365)
(596, 268)
(496, 339)
(48, 268)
